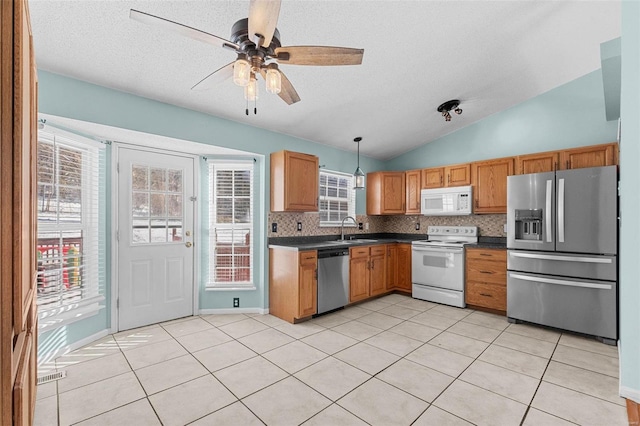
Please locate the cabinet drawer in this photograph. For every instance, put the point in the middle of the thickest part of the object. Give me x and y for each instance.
(483, 271)
(491, 296)
(357, 252)
(307, 257)
(378, 250)
(487, 254)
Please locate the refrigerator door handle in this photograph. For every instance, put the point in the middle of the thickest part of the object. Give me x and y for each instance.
(561, 210)
(561, 282)
(562, 258)
(547, 212)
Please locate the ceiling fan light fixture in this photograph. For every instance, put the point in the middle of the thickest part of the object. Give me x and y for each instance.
(251, 89)
(241, 71)
(358, 174)
(273, 79)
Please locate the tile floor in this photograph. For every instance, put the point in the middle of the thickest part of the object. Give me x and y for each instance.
(392, 361)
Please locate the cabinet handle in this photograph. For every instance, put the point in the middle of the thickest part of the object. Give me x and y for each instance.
(476, 203)
(448, 178)
(555, 166)
(373, 265)
(316, 274)
(441, 178)
(486, 272)
(486, 295)
(485, 254)
(568, 165)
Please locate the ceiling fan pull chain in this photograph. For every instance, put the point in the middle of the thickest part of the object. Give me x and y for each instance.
(246, 111)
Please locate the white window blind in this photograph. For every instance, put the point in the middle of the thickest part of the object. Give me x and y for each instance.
(71, 237)
(231, 223)
(337, 198)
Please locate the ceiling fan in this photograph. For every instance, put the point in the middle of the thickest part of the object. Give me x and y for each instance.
(256, 41)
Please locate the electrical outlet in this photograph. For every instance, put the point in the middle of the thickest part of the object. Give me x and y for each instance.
(360, 226)
(236, 302)
(417, 226)
(505, 227)
(366, 226)
(299, 226)
(274, 227)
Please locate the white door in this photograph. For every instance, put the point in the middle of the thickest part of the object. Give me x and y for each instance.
(155, 240)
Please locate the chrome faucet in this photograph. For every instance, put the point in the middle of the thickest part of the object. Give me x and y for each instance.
(342, 226)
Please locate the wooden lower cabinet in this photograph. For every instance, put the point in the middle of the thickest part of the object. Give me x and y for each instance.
(367, 272)
(293, 283)
(399, 267)
(486, 278)
(378, 271)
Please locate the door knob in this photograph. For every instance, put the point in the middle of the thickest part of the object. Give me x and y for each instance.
(188, 244)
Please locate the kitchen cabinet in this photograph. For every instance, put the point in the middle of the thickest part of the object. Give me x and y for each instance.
(293, 283)
(486, 278)
(589, 156)
(385, 193)
(378, 271)
(367, 272)
(537, 163)
(489, 180)
(294, 182)
(392, 266)
(441, 177)
(399, 267)
(433, 178)
(413, 187)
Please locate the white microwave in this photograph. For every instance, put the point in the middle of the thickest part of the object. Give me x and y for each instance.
(446, 201)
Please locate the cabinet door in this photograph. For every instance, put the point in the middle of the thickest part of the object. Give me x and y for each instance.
(458, 175)
(301, 182)
(590, 156)
(489, 179)
(392, 266)
(433, 178)
(537, 163)
(404, 267)
(378, 275)
(358, 279)
(308, 288)
(412, 179)
(393, 190)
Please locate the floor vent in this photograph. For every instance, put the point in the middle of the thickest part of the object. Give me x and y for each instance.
(51, 377)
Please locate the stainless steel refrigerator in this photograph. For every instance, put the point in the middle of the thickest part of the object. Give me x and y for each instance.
(562, 240)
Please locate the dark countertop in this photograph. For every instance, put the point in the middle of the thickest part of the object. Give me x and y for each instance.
(331, 241)
(489, 243)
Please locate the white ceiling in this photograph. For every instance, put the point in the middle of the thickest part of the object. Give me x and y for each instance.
(418, 54)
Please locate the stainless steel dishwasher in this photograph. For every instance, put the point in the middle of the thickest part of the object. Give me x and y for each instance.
(333, 279)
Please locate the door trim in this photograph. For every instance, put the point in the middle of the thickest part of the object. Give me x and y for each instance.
(115, 285)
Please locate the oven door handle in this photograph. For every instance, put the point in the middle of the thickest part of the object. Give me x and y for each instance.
(438, 249)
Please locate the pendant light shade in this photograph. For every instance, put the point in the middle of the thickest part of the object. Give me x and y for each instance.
(273, 79)
(251, 89)
(358, 174)
(241, 72)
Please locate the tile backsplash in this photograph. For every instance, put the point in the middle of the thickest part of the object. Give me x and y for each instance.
(489, 225)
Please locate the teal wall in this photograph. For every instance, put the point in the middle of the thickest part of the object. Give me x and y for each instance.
(568, 116)
(630, 203)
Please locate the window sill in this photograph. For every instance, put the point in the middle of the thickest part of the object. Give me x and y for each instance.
(219, 288)
(58, 317)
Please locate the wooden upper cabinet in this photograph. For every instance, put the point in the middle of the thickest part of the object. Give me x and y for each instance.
(537, 163)
(589, 156)
(458, 175)
(489, 179)
(412, 180)
(385, 193)
(294, 182)
(433, 178)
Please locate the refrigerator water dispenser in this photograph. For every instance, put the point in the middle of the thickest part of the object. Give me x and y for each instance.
(529, 224)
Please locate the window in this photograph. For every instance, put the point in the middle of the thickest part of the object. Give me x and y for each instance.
(231, 224)
(337, 198)
(70, 181)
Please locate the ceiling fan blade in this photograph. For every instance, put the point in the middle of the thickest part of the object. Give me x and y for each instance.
(319, 55)
(263, 18)
(287, 92)
(184, 30)
(218, 76)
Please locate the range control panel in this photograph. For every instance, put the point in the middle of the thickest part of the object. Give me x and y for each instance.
(466, 231)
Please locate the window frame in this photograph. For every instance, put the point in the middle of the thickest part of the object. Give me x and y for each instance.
(351, 199)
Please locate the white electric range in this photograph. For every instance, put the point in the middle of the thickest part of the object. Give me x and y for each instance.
(437, 264)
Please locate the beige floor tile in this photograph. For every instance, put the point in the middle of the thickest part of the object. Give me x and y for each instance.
(501, 381)
(537, 332)
(266, 340)
(439, 359)
(526, 344)
(487, 320)
(300, 331)
(394, 298)
(93, 371)
(588, 360)
(450, 312)
(354, 312)
(419, 381)
(147, 355)
(243, 328)
(334, 415)
(224, 355)
(418, 305)
(250, 376)
(394, 343)
(173, 321)
(332, 377)
(141, 336)
(329, 341)
(585, 381)
(374, 305)
(203, 339)
(102, 347)
(434, 416)
(415, 331)
(161, 376)
(474, 331)
(46, 390)
(540, 418)
(46, 412)
(401, 312)
(331, 320)
(288, 402)
(480, 406)
(183, 328)
(97, 398)
(577, 407)
(379, 320)
(459, 344)
(137, 413)
(513, 360)
(235, 414)
(379, 403)
(367, 358)
(222, 319)
(294, 356)
(357, 330)
(434, 321)
(590, 345)
(270, 320)
(190, 401)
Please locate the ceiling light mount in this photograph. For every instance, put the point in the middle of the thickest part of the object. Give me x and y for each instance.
(358, 174)
(446, 107)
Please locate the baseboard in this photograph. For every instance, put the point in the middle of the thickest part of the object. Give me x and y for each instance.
(52, 355)
(225, 311)
(632, 394)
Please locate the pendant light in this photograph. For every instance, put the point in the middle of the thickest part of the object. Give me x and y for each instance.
(358, 174)
(273, 79)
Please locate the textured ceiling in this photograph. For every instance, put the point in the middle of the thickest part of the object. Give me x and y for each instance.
(418, 54)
